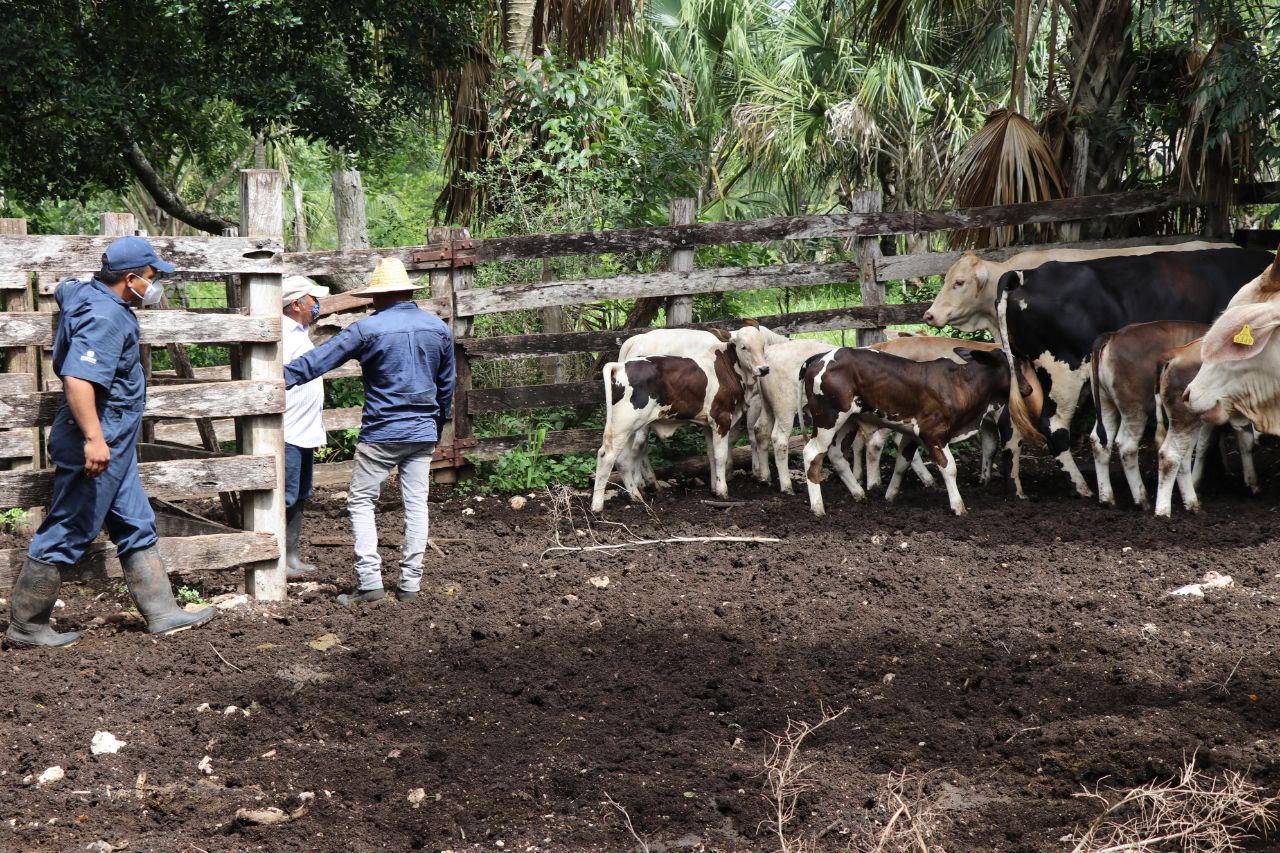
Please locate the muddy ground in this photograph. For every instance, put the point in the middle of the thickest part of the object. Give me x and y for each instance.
(1009, 660)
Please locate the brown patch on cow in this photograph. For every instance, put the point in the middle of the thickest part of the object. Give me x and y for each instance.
(677, 384)
(615, 387)
(721, 335)
(1137, 351)
(1271, 277)
(730, 396)
(752, 323)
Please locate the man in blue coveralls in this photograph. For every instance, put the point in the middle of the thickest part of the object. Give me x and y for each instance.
(406, 362)
(92, 445)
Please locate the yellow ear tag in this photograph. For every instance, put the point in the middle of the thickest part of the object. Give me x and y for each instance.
(1244, 337)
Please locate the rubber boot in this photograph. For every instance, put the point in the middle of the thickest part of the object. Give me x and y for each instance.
(295, 569)
(148, 581)
(376, 594)
(31, 604)
(406, 594)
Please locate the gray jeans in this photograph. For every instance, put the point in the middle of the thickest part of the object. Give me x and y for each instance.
(373, 464)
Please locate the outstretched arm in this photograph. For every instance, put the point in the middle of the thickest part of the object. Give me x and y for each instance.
(446, 378)
(319, 361)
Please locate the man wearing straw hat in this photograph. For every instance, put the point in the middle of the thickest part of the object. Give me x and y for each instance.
(406, 362)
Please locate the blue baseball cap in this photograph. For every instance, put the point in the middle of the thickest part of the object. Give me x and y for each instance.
(131, 253)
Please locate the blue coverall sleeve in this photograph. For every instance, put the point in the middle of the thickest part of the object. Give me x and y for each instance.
(94, 346)
(341, 347)
(446, 378)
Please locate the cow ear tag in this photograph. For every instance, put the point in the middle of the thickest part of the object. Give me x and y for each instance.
(1244, 337)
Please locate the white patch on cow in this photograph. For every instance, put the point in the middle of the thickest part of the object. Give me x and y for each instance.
(1068, 384)
(1022, 303)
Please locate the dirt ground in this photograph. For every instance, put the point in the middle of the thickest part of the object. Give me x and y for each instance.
(1009, 660)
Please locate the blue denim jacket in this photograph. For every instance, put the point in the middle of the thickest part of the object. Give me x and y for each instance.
(406, 359)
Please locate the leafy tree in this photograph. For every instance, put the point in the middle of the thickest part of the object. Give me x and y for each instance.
(97, 91)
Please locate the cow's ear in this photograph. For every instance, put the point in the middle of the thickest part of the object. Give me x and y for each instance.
(749, 322)
(721, 335)
(1240, 333)
(1271, 278)
(991, 358)
(965, 353)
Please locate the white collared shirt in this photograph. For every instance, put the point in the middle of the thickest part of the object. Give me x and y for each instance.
(303, 404)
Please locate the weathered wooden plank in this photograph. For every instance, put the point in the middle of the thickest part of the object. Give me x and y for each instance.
(156, 327)
(222, 373)
(334, 323)
(185, 432)
(178, 478)
(561, 441)
(332, 475)
(921, 264)
(164, 451)
(229, 399)
(211, 255)
(514, 297)
(16, 383)
(534, 396)
(831, 319)
(835, 225)
(361, 261)
(17, 444)
(183, 555)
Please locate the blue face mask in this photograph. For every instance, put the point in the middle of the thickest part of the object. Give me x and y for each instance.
(315, 311)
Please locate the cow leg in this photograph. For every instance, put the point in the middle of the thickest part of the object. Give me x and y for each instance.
(781, 438)
(840, 462)
(917, 465)
(606, 456)
(1010, 455)
(1132, 426)
(719, 449)
(1245, 440)
(814, 449)
(875, 449)
(637, 469)
(905, 455)
(989, 439)
(758, 436)
(1200, 457)
(1173, 452)
(857, 452)
(1064, 388)
(1186, 479)
(1108, 423)
(947, 468)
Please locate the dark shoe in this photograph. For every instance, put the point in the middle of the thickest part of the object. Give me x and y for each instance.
(148, 581)
(347, 599)
(31, 604)
(295, 569)
(406, 594)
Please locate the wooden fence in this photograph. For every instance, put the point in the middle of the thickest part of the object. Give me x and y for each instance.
(201, 407)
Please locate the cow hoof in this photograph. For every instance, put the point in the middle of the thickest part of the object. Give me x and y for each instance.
(1193, 508)
(1109, 503)
(1255, 490)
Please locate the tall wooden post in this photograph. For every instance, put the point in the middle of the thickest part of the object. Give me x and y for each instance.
(261, 215)
(15, 287)
(441, 281)
(553, 366)
(869, 258)
(680, 308)
(462, 278)
(349, 216)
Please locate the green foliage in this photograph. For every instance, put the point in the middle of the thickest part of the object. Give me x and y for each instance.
(341, 446)
(198, 78)
(344, 393)
(525, 468)
(190, 595)
(11, 518)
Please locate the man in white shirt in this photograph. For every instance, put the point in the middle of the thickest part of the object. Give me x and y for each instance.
(303, 421)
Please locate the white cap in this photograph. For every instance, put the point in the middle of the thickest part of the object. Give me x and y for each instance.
(297, 286)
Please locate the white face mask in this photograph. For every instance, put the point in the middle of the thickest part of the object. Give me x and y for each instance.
(152, 295)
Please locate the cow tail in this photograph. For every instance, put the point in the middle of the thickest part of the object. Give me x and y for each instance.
(1018, 413)
(1099, 346)
(1162, 416)
(607, 373)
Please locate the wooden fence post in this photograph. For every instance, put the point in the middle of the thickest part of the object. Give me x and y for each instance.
(17, 293)
(680, 308)
(261, 215)
(461, 279)
(441, 281)
(869, 258)
(349, 216)
(553, 366)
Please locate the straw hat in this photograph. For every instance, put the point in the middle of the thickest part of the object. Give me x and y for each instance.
(389, 276)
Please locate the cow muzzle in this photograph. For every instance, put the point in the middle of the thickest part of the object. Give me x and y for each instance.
(762, 371)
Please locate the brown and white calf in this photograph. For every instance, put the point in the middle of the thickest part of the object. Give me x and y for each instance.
(933, 403)
(664, 393)
(1188, 436)
(1124, 365)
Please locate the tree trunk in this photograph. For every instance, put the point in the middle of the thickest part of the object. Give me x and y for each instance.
(517, 26)
(1102, 68)
(353, 229)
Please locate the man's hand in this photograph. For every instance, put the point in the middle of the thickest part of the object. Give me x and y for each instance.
(96, 456)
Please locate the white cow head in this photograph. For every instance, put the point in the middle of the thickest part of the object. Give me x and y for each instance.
(965, 296)
(751, 341)
(1241, 368)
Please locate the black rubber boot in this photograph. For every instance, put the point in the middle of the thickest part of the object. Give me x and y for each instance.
(295, 569)
(406, 594)
(31, 604)
(148, 582)
(347, 599)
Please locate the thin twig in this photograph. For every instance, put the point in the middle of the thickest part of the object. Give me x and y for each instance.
(723, 504)
(672, 540)
(644, 846)
(224, 660)
(1020, 732)
(434, 547)
(1231, 674)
